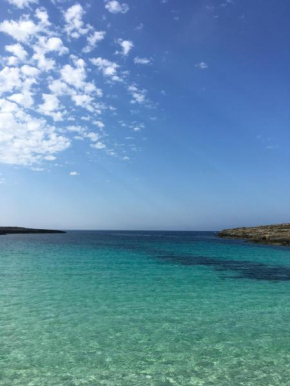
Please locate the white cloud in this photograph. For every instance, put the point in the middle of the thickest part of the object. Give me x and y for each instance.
(45, 45)
(93, 40)
(34, 99)
(108, 68)
(21, 30)
(11, 61)
(14, 78)
(22, 3)
(74, 76)
(201, 66)
(51, 107)
(76, 129)
(73, 83)
(42, 15)
(99, 145)
(50, 158)
(83, 100)
(24, 99)
(24, 139)
(74, 174)
(17, 50)
(94, 137)
(114, 6)
(29, 71)
(138, 60)
(126, 46)
(99, 124)
(74, 24)
(44, 63)
(9, 79)
(58, 87)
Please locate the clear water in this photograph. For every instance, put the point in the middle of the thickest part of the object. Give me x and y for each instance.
(143, 308)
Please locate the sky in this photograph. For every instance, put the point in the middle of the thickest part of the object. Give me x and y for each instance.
(144, 115)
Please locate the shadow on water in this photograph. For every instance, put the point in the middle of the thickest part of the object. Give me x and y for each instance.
(241, 269)
(235, 269)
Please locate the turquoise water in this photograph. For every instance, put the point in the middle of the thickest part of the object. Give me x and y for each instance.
(143, 308)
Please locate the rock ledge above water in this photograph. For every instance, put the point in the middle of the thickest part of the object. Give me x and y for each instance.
(20, 230)
(278, 234)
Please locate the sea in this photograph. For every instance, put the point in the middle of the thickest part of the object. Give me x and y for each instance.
(130, 308)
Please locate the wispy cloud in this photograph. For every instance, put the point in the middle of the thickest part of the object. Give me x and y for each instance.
(267, 142)
(138, 60)
(138, 96)
(22, 3)
(115, 6)
(93, 40)
(202, 65)
(139, 27)
(108, 68)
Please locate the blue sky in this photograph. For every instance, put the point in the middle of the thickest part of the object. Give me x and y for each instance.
(144, 115)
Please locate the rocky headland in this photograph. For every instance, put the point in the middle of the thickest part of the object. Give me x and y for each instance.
(278, 234)
(20, 230)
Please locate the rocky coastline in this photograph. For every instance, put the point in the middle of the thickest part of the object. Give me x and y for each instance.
(20, 230)
(278, 234)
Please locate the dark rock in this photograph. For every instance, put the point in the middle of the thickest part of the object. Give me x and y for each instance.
(20, 230)
(278, 234)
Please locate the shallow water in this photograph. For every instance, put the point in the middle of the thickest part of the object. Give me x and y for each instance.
(143, 308)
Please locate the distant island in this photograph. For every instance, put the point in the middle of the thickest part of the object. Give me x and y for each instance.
(278, 234)
(20, 230)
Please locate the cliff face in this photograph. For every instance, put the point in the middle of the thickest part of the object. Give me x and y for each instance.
(20, 230)
(271, 234)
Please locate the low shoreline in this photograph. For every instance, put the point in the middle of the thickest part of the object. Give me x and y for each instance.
(278, 234)
(21, 230)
